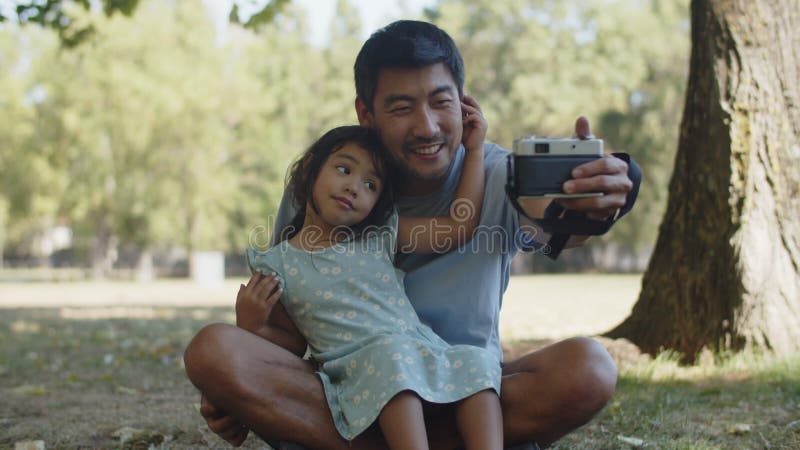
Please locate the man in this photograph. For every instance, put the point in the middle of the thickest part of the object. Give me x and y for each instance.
(409, 83)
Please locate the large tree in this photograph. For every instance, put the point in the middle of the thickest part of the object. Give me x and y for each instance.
(725, 273)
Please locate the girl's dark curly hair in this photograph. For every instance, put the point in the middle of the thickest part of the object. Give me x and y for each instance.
(304, 172)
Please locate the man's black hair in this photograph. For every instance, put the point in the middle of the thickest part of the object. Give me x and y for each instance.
(405, 44)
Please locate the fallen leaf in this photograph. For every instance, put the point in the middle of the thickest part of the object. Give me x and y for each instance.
(125, 433)
(792, 425)
(30, 389)
(131, 438)
(126, 390)
(634, 441)
(739, 428)
(29, 445)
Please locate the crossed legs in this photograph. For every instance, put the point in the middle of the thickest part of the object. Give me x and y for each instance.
(544, 395)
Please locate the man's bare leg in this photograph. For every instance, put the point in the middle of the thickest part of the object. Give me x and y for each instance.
(403, 424)
(266, 388)
(544, 395)
(480, 421)
(553, 391)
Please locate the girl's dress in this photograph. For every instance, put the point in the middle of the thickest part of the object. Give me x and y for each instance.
(349, 303)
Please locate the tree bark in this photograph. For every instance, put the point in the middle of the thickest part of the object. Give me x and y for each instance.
(725, 273)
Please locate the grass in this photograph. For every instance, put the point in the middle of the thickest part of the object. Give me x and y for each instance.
(85, 366)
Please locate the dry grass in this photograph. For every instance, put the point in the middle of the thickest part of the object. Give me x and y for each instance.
(81, 361)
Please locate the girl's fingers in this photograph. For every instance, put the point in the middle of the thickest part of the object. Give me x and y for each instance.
(273, 298)
(254, 278)
(266, 285)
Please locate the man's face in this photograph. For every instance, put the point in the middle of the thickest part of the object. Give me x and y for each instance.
(417, 113)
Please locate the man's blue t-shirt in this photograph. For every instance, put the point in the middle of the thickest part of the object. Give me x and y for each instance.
(459, 293)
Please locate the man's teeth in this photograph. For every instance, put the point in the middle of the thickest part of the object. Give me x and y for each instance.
(427, 150)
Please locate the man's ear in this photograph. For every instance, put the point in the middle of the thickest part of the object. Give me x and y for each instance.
(364, 115)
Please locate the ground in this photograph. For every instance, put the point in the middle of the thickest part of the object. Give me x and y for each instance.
(88, 365)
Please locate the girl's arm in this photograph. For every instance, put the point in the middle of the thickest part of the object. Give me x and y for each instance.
(259, 312)
(440, 234)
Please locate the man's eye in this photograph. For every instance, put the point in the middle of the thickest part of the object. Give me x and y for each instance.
(400, 110)
(343, 169)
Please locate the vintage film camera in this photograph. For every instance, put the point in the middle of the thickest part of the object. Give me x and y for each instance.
(538, 167)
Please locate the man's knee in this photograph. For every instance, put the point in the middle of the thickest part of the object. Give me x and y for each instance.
(206, 351)
(593, 374)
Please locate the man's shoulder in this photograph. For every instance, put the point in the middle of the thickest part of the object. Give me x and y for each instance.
(495, 160)
(494, 153)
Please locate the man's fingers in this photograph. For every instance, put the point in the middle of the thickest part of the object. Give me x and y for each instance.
(239, 438)
(582, 128)
(208, 410)
(607, 165)
(604, 205)
(609, 184)
(225, 426)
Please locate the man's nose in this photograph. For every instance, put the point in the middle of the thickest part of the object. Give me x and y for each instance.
(426, 125)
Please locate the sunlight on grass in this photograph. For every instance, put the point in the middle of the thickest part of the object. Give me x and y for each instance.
(560, 306)
(731, 368)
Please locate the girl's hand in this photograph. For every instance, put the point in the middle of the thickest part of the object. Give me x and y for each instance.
(255, 301)
(475, 125)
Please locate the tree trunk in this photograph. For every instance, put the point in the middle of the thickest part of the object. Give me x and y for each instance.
(725, 273)
(145, 272)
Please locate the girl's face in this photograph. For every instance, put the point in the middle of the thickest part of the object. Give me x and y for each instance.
(347, 186)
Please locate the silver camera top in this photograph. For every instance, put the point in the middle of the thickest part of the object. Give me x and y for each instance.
(534, 146)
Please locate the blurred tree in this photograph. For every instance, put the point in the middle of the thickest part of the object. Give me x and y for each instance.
(29, 182)
(725, 273)
(64, 15)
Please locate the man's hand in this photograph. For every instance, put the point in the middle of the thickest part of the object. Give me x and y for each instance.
(607, 174)
(255, 301)
(222, 424)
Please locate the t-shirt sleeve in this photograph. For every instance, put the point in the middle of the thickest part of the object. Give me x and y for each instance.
(261, 261)
(498, 209)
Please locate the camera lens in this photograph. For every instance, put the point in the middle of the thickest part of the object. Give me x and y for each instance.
(541, 147)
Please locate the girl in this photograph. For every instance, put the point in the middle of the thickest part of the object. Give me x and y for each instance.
(333, 273)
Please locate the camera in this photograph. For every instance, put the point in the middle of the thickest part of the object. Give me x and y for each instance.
(538, 167)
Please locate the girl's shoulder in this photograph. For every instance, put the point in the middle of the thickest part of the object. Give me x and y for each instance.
(269, 258)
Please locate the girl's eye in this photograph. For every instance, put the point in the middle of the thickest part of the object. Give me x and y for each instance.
(343, 169)
(370, 185)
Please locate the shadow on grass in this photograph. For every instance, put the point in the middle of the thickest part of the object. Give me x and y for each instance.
(75, 377)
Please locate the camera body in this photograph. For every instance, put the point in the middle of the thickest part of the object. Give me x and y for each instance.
(539, 167)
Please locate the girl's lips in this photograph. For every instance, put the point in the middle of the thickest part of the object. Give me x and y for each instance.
(343, 202)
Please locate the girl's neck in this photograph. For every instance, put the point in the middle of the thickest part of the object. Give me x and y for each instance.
(317, 234)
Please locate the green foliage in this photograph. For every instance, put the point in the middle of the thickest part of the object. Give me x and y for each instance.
(163, 130)
(64, 15)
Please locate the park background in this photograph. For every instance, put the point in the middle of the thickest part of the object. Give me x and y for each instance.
(137, 145)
